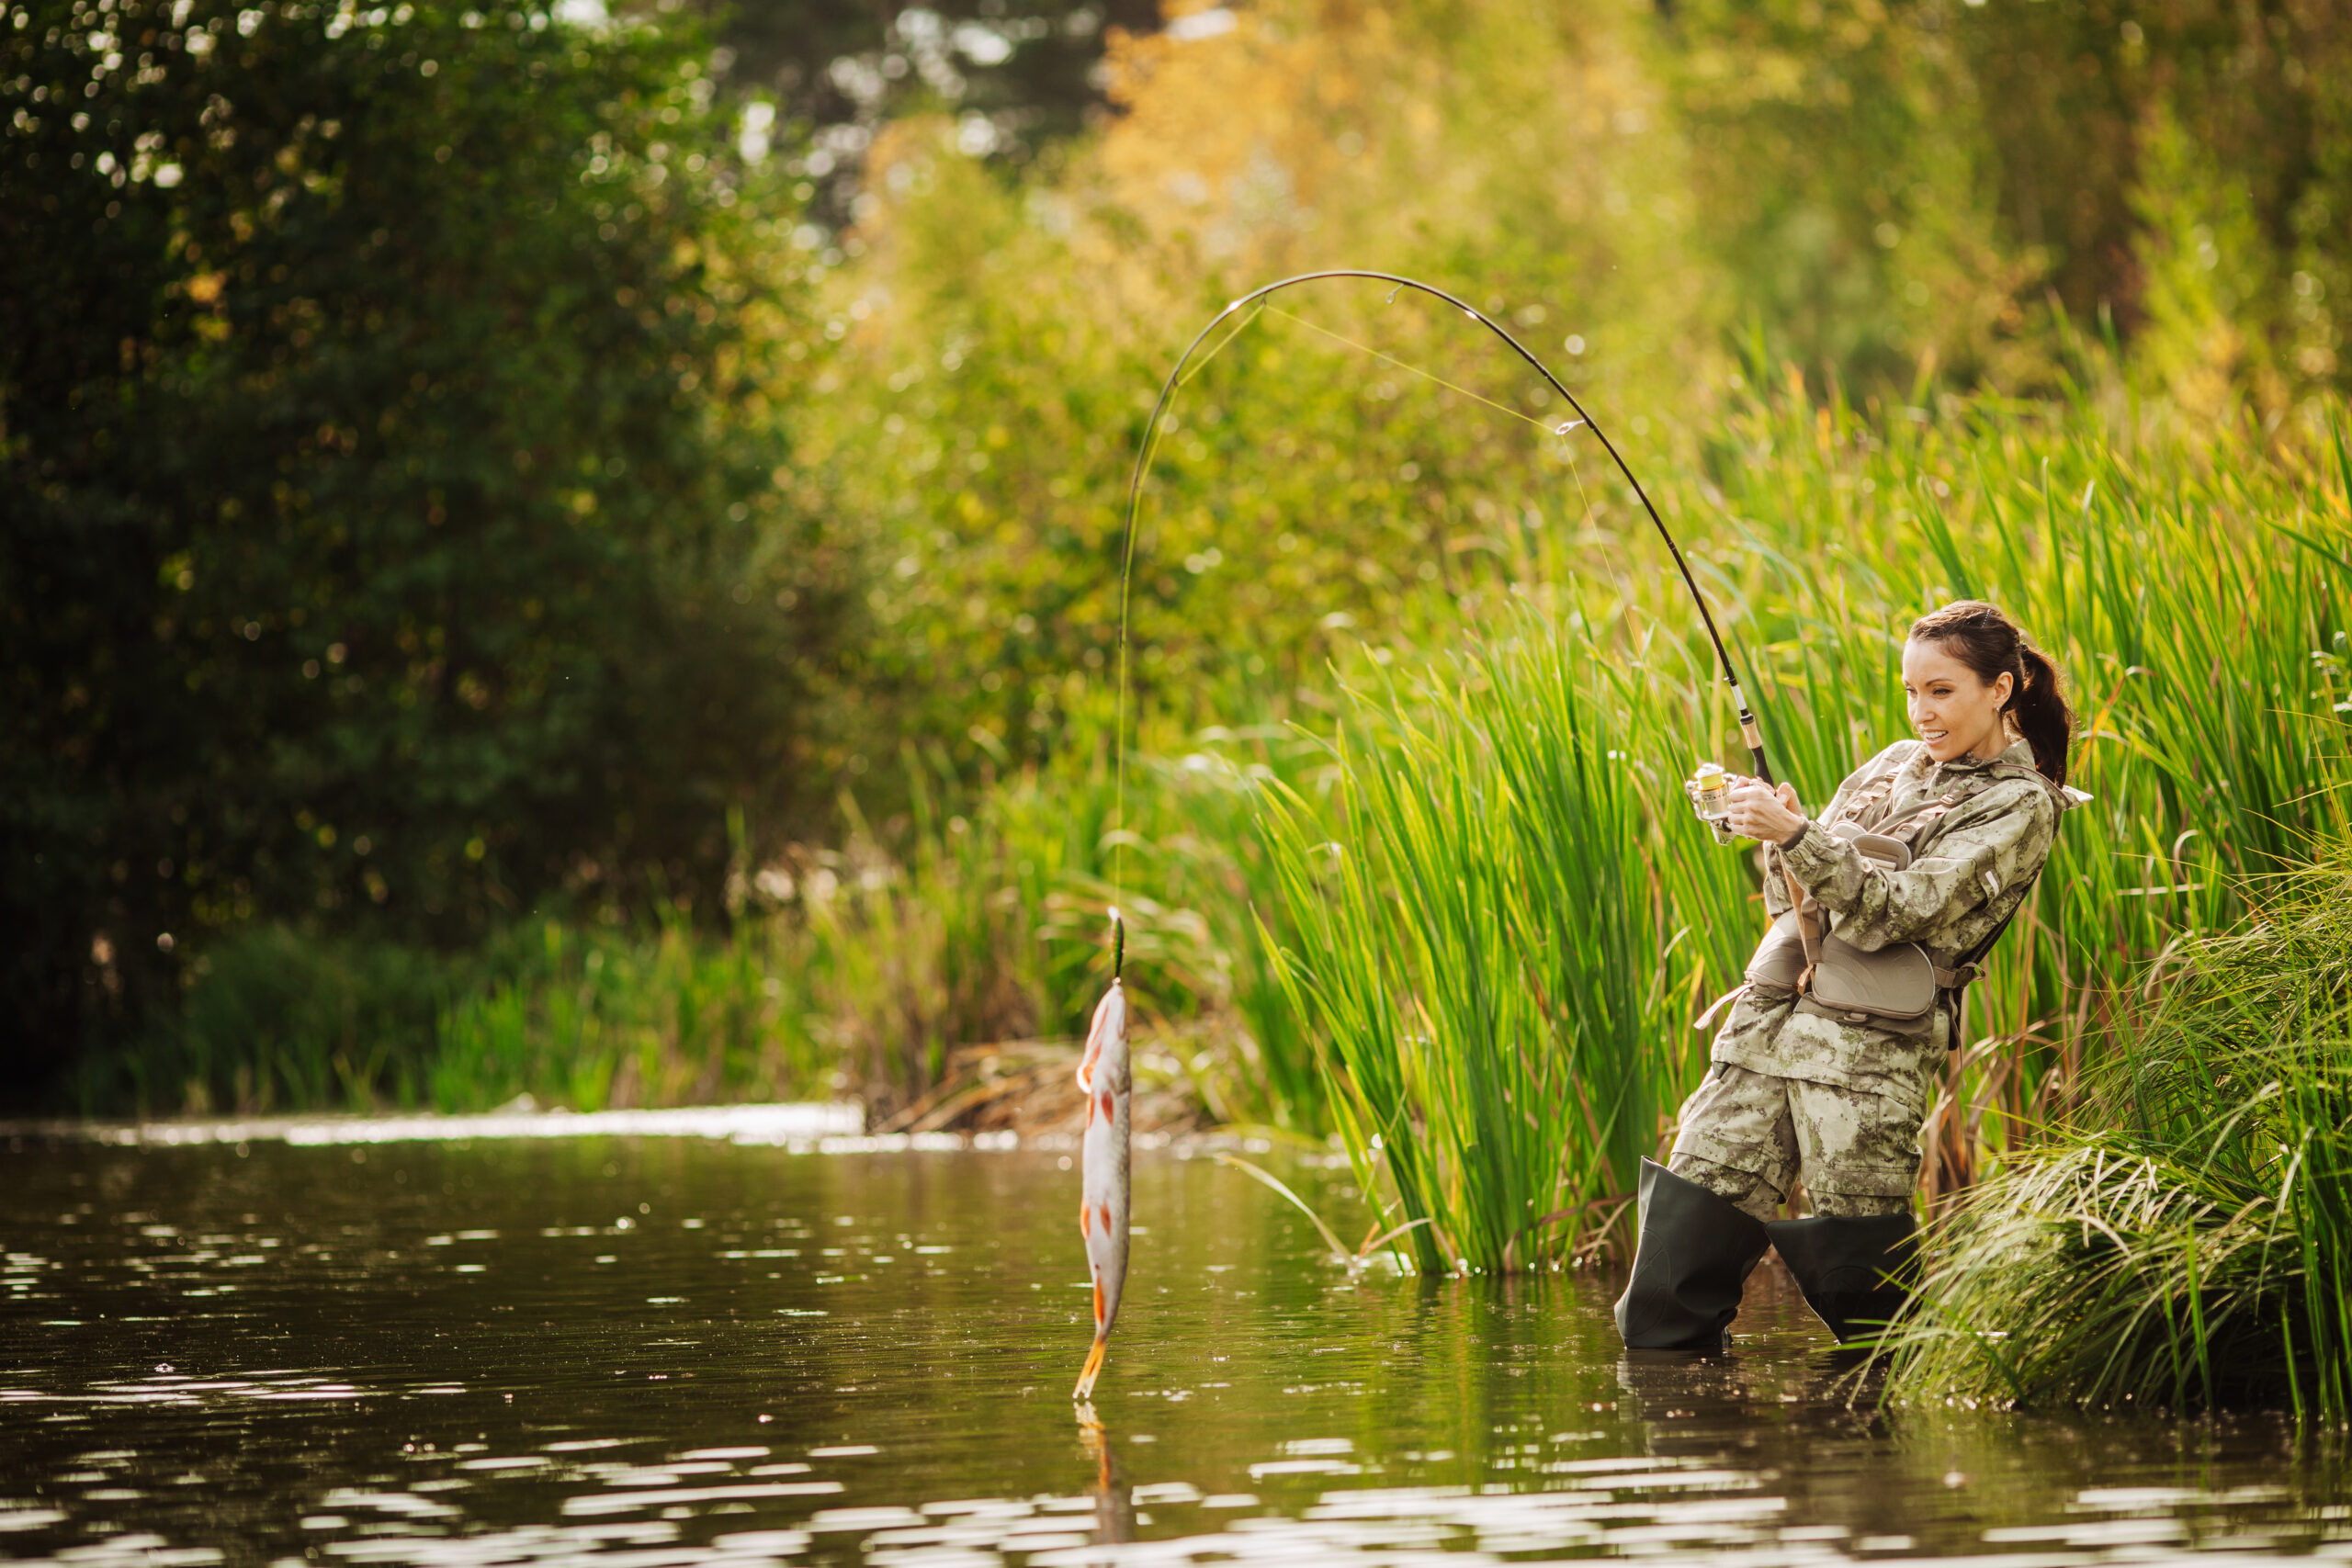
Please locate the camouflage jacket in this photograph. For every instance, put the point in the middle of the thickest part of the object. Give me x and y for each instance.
(1971, 868)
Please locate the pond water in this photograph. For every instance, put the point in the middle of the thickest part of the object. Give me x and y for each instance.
(646, 1351)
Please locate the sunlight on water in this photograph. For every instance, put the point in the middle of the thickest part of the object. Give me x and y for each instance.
(732, 1347)
(800, 1126)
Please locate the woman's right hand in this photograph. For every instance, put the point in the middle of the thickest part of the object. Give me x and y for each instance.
(1766, 813)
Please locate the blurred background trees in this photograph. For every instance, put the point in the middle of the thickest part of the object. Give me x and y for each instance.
(463, 464)
(392, 401)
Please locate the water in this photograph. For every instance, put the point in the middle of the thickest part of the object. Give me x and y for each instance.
(647, 1351)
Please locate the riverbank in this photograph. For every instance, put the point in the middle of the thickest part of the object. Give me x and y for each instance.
(994, 1097)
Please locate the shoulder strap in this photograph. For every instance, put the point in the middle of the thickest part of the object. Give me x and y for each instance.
(1968, 968)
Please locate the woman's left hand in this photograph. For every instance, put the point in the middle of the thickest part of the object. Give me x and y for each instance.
(1765, 812)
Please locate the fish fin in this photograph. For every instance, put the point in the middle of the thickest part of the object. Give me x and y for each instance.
(1085, 1388)
(1099, 1324)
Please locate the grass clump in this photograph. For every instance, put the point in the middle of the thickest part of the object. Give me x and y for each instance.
(1480, 938)
(2185, 1240)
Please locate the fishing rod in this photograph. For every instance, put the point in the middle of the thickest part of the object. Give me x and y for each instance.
(1104, 1161)
(1748, 729)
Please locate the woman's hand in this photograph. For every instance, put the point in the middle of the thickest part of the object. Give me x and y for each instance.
(1765, 812)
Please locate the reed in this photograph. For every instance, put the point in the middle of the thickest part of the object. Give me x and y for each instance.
(1504, 919)
(1495, 976)
(2185, 1240)
(1478, 936)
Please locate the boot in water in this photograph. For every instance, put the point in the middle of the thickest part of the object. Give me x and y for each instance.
(1855, 1273)
(1696, 1252)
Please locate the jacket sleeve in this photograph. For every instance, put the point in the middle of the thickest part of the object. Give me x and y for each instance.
(2005, 835)
(1776, 887)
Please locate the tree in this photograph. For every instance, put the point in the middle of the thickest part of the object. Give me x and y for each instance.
(386, 528)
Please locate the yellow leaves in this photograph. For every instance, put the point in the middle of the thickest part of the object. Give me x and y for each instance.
(1231, 131)
(204, 289)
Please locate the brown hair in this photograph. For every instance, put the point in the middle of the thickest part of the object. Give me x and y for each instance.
(1992, 645)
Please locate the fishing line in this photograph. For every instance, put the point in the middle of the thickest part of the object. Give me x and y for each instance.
(1411, 369)
(1252, 302)
(1238, 327)
(1576, 469)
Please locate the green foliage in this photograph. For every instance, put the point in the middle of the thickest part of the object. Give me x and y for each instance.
(592, 1018)
(1474, 941)
(1889, 197)
(2185, 1241)
(1852, 198)
(428, 502)
(283, 1020)
(386, 406)
(841, 970)
(1504, 915)
(2209, 297)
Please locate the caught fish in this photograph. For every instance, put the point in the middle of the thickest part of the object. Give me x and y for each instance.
(1107, 1080)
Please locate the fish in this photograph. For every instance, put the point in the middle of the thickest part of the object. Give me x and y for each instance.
(1106, 1078)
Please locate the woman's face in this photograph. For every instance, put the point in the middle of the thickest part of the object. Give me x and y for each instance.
(1956, 713)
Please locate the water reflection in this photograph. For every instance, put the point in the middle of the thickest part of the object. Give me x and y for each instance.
(652, 1352)
(1115, 1504)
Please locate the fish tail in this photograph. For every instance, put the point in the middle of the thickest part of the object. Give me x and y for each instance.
(1085, 1388)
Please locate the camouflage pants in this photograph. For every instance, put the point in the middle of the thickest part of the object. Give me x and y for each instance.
(1747, 1136)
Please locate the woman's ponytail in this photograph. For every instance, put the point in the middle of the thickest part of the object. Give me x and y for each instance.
(2038, 710)
(1992, 645)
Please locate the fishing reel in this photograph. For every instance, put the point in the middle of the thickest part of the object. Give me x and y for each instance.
(1710, 793)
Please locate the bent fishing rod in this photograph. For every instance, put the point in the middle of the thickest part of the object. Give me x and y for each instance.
(1748, 729)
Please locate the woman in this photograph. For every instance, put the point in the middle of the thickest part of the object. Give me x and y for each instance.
(1825, 1068)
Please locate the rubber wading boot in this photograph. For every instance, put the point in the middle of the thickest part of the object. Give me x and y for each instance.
(1696, 1252)
(1855, 1273)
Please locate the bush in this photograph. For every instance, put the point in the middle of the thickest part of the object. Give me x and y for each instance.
(2187, 1240)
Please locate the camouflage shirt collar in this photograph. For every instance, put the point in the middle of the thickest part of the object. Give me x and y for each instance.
(2019, 753)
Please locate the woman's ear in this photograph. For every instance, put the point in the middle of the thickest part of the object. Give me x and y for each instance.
(2003, 690)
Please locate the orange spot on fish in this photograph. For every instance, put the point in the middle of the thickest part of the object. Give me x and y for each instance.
(1106, 1219)
(1085, 1219)
(1098, 1305)
(1106, 1108)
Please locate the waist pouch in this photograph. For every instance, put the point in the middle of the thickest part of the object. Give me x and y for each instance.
(1894, 988)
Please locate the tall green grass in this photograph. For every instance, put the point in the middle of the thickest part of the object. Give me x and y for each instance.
(1495, 975)
(1478, 936)
(2185, 1241)
(1504, 917)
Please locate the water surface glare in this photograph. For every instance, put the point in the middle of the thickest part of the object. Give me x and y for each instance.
(642, 1352)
